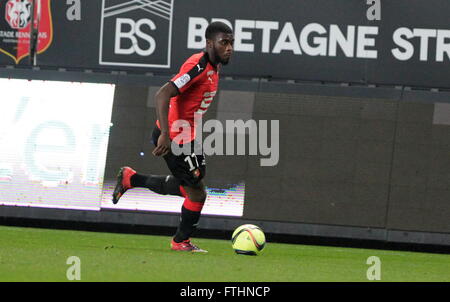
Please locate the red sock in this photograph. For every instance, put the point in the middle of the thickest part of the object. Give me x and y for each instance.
(190, 215)
(193, 206)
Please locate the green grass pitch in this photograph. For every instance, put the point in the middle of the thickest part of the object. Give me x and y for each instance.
(31, 254)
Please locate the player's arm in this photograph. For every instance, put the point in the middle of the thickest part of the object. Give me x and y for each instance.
(189, 74)
(162, 100)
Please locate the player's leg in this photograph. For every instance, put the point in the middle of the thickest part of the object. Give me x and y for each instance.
(195, 197)
(190, 170)
(186, 182)
(161, 184)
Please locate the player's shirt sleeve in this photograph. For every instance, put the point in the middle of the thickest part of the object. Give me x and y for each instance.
(190, 72)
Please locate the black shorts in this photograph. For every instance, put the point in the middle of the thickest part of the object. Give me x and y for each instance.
(189, 169)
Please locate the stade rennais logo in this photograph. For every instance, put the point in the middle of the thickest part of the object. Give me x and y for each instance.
(15, 23)
(136, 33)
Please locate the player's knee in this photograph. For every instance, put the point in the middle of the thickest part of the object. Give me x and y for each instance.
(203, 195)
(172, 186)
(197, 194)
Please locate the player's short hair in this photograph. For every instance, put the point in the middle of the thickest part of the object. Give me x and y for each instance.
(217, 27)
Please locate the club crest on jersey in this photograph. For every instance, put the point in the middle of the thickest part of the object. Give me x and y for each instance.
(15, 25)
(196, 173)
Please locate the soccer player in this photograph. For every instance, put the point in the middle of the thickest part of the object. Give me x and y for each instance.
(187, 94)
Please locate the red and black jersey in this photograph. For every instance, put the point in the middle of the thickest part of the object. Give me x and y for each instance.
(197, 83)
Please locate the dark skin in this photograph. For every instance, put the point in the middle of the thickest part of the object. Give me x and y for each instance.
(219, 49)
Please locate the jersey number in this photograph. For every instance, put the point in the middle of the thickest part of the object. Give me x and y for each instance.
(188, 159)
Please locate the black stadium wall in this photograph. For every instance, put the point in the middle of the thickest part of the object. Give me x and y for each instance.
(363, 109)
(344, 159)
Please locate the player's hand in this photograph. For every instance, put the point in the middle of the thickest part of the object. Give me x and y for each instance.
(163, 146)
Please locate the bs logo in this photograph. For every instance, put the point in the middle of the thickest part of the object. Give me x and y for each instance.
(136, 33)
